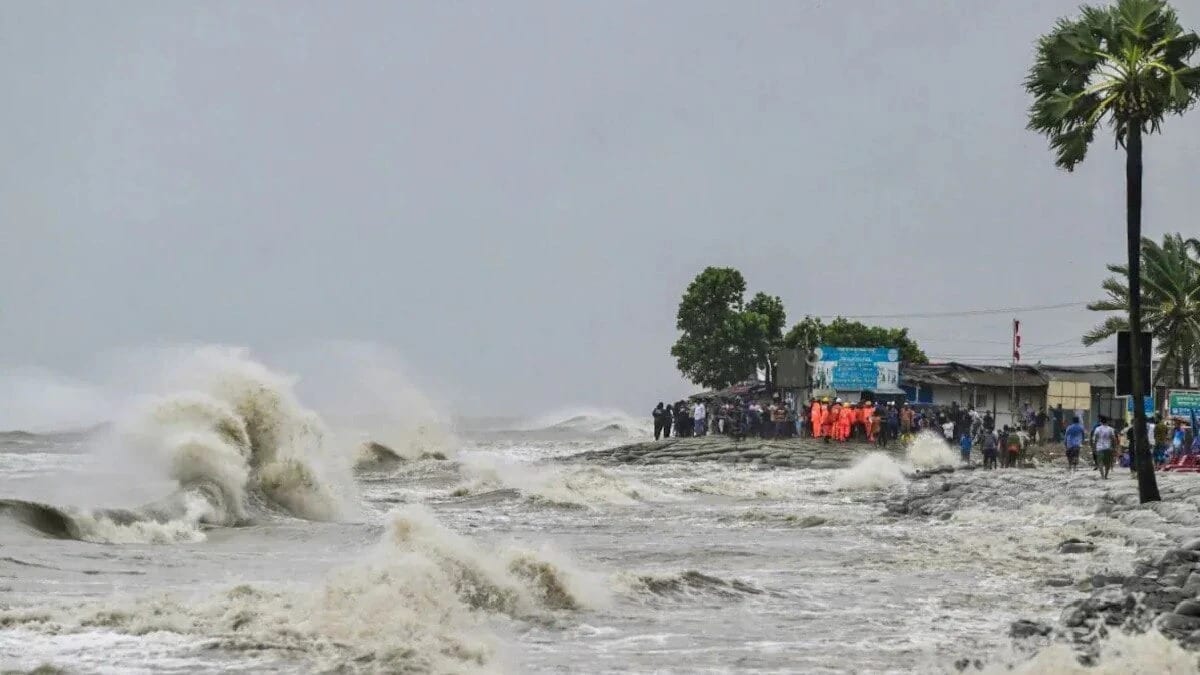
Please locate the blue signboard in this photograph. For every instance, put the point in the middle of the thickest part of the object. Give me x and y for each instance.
(856, 368)
(1149, 405)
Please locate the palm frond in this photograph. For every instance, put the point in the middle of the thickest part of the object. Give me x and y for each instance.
(1126, 65)
(1105, 330)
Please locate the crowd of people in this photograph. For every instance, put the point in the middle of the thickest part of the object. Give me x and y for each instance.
(882, 422)
(832, 420)
(1169, 440)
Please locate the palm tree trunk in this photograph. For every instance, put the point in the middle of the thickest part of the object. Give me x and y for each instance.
(1187, 369)
(1147, 485)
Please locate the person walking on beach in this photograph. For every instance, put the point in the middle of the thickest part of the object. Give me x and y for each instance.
(987, 440)
(1073, 442)
(1013, 445)
(906, 420)
(1105, 440)
(659, 414)
(699, 419)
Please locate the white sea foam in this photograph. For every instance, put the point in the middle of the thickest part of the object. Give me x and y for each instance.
(415, 603)
(1120, 654)
(930, 451)
(573, 485)
(230, 434)
(237, 424)
(875, 471)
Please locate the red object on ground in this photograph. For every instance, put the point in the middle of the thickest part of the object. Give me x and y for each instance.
(1184, 464)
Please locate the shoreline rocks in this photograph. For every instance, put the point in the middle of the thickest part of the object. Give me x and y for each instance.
(1161, 592)
(787, 453)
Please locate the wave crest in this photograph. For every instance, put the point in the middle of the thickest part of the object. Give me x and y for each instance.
(416, 602)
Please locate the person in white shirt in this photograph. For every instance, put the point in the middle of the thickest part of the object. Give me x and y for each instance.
(1104, 439)
(699, 416)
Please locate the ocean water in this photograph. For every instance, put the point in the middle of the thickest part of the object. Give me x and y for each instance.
(226, 527)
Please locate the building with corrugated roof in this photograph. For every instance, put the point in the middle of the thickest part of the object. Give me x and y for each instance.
(1086, 389)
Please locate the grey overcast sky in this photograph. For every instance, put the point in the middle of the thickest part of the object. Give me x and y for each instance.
(511, 196)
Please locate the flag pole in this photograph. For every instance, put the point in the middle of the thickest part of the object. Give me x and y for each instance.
(1012, 369)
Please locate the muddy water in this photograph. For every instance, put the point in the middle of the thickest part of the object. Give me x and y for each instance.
(501, 560)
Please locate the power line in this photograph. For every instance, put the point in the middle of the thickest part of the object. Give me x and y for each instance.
(1006, 359)
(966, 312)
(1042, 348)
(1038, 345)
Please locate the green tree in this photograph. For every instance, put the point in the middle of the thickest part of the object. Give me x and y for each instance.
(720, 342)
(1170, 304)
(1126, 65)
(806, 334)
(767, 319)
(842, 332)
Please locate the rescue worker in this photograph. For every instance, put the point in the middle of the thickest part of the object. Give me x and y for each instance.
(844, 423)
(864, 420)
(874, 424)
(827, 420)
(833, 420)
(816, 418)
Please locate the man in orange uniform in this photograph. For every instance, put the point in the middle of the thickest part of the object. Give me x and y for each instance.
(868, 417)
(846, 424)
(831, 417)
(816, 418)
(864, 418)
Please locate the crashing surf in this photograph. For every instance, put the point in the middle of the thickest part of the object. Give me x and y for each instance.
(236, 442)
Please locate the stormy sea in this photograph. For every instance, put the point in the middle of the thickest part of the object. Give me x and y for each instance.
(222, 524)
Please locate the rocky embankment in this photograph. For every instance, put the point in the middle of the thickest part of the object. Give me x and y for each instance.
(792, 452)
(1161, 592)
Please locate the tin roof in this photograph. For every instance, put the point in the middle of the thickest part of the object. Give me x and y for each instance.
(958, 374)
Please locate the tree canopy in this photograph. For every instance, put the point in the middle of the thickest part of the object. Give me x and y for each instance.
(723, 340)
(1125, 65)
(841, 332)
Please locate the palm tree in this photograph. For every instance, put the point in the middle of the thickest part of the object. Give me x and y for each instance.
(1170, 303)
(1125, 65)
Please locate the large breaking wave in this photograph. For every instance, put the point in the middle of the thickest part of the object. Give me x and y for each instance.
(237, 443)
(417, 602)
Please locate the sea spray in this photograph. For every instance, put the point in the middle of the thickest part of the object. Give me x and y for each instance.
(930, 451)
(366, 396)
(415, 602)
(232, 437)
(875, 471)
(240, 425)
